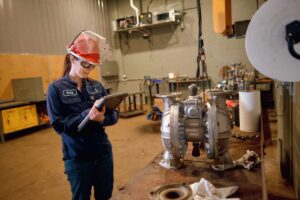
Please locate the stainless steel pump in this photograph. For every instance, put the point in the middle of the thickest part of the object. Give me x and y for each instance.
(193, 120)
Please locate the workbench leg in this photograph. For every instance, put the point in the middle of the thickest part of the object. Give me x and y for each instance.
(125, 107)
(134, 102)
(129, 103)
(141, 101)
(2, 137)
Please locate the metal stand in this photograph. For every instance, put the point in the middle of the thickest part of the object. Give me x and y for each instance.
(130, 107)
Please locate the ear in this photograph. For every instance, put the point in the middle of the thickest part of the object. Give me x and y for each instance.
(72, 59)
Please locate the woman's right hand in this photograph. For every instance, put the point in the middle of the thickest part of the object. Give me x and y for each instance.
(95, 114)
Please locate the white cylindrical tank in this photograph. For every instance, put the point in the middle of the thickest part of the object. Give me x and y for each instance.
(250, 110)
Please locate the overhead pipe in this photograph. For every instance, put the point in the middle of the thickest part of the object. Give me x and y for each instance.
(136, 12)
(141, 6)
(148, 6)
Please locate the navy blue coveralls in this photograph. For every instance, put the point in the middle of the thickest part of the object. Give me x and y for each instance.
(87, 154)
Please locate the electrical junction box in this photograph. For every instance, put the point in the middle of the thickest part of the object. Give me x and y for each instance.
(28, 89)
(109, 68)
(240, 28)
(164, 16)
(146, 18)
(124, 23)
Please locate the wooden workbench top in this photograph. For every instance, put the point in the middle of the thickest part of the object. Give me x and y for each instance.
(13, 104)
(250, 183)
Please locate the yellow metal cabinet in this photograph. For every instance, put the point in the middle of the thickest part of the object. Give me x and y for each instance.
(19, 118)
(28, 116)
(10, 120)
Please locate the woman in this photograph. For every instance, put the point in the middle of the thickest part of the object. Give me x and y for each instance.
(87, 154)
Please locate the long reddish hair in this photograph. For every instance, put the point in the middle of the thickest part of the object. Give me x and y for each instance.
(67, 65)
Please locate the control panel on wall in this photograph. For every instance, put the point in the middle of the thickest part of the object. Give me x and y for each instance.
(109, 68)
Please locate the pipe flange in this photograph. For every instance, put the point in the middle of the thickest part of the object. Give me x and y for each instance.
(177, 133)
(180, 191)
(170, 95)
(212, 130)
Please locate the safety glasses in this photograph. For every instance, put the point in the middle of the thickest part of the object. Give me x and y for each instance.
(84, 63)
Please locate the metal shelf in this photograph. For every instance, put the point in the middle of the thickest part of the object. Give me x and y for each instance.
(147, 26)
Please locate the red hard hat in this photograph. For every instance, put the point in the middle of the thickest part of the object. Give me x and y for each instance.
(86, 46)
(91, 47)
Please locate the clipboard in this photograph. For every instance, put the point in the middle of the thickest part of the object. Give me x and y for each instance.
(109, 101)
(113, 100)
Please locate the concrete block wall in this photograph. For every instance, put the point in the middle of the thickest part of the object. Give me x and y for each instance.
(172, 49)
(296, 140)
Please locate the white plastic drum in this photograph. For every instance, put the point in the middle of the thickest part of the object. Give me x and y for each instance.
(250, 110)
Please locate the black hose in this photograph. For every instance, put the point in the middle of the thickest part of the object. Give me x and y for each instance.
(293, 37)
(292, 50)
(200, 42)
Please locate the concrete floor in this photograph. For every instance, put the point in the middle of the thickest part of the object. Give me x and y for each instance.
(278, 188)
(32, 168)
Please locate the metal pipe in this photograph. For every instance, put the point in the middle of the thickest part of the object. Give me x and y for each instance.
(136, 12)
(148, 6)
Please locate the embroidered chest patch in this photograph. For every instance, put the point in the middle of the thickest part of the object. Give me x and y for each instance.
(94, 89)
(72, 92)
